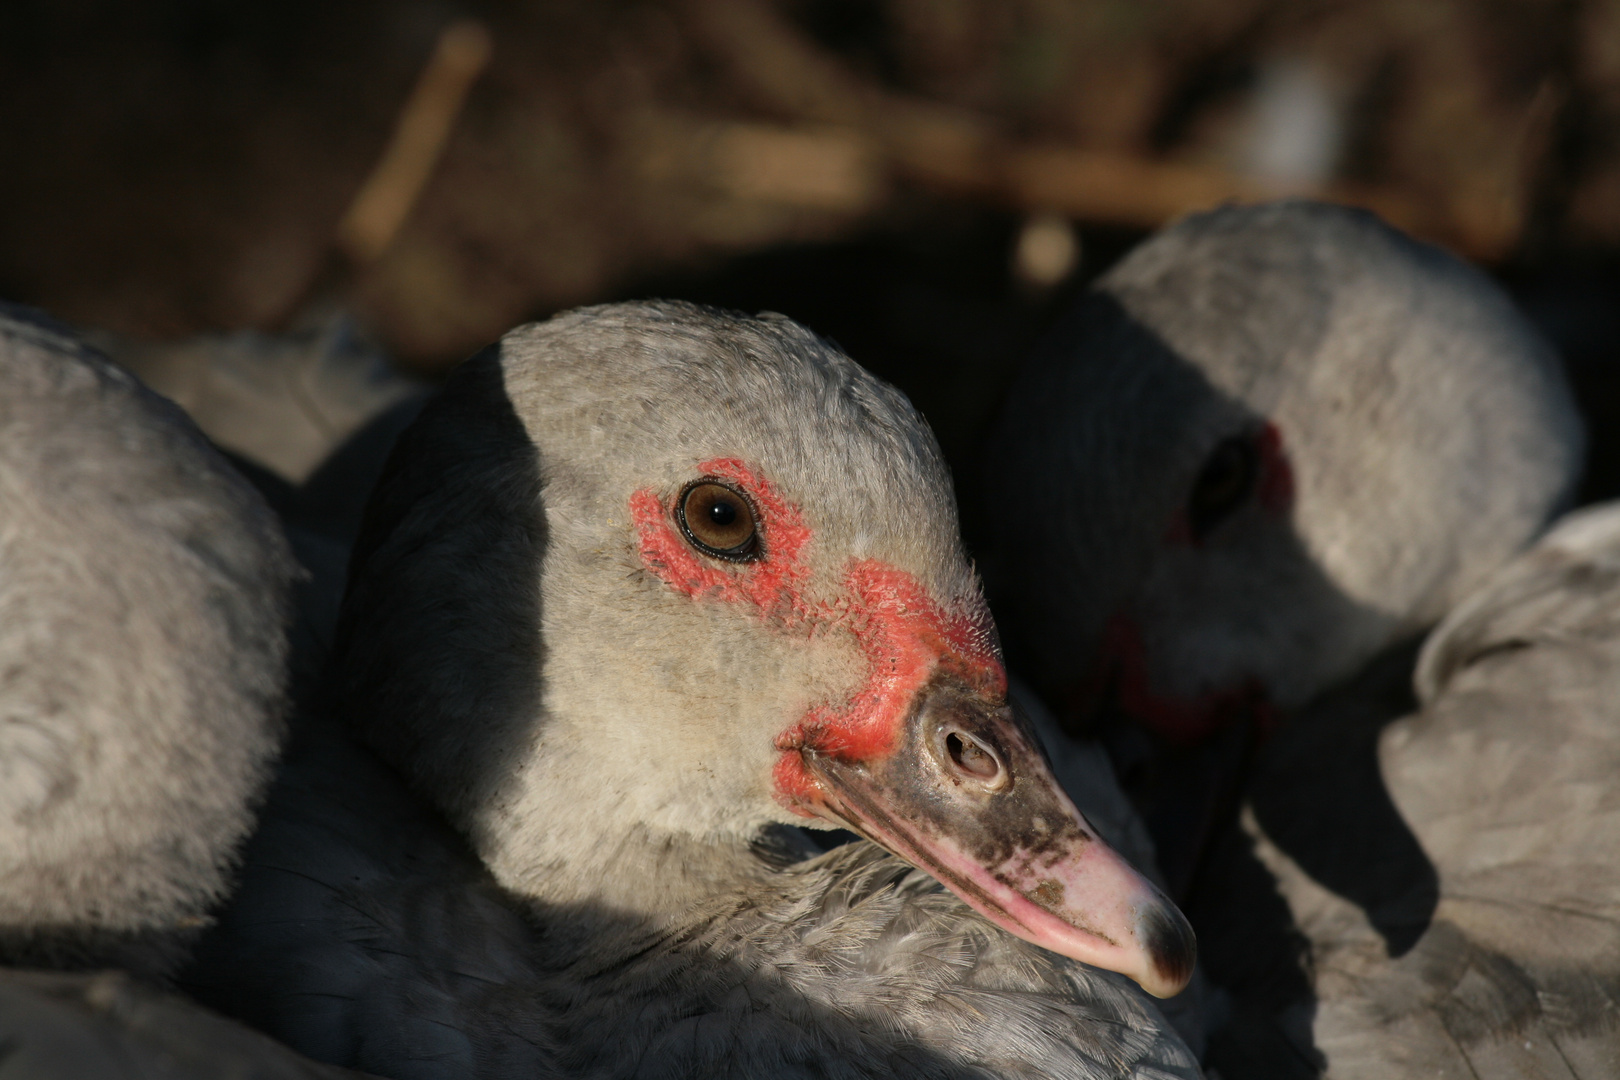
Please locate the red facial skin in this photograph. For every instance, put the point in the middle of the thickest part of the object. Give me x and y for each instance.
(907, 636)
(770, 585)
(856, 762)
(1182, 721)
(1276, 487)
(1122, 666)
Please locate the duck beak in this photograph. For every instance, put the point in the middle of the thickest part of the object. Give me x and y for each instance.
(968, 796)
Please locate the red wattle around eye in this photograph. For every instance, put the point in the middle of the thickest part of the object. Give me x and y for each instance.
(905, 635)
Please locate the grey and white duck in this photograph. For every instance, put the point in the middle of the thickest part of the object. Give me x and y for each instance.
(643, 590)
(1265, 454)
(1269, 443)
(143, 590)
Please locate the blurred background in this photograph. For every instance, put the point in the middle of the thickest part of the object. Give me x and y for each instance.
(925, 181)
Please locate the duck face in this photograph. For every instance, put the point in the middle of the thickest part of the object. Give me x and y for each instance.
(1271, 442)
(892, 718)
(1165, 571)
(1230, 614)
(754, 608)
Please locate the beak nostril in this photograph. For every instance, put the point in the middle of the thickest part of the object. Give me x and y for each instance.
(971, 756)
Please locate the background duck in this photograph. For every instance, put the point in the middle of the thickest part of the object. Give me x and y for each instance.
(1253, 465)
(143, 589)
(142, 599)
(1506, 775)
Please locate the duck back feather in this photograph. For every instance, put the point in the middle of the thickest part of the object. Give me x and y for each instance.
(142, 649)
(1506, 775)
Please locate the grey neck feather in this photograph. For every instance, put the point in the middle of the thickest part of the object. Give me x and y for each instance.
(663, 881)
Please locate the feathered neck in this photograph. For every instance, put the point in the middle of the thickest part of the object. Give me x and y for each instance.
(853, 957)
(648, 883)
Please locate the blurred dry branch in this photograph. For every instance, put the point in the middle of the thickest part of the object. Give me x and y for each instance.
(962, 153)
(385, 199)
(837, 170)
(478, 165)
(1125, 190)
(721, 125)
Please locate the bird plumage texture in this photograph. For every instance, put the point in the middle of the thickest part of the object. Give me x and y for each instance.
(1507, 776)
(143, 594)
(142, 597)
(109, 1026)
(366, 933)
(623, 894)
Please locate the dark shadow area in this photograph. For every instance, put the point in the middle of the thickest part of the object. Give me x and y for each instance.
(449, 549)
(333, 500)
(278, 492)
(1319, 794)
(352, 881)
(1250, 947)
(1186, 793)
(109, 1026)
(80, 948)
(1316, 790)
(322, 518)
(1574, 303)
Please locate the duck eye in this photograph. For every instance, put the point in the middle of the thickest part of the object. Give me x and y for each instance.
(719, 521)
(1224, 483)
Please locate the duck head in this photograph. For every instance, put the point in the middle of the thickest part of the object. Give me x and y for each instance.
(1269, 443)
(648, 575)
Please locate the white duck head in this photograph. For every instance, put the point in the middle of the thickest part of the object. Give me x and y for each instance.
(1268, 444)
(143, 592)
(648, 578)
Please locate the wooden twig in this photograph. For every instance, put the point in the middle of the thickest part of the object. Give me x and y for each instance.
(958, 152)
(425, 122)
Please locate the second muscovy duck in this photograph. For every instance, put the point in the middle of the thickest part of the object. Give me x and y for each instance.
(143, 588)
(142, 657)
(1271, 443)
(1265, 453)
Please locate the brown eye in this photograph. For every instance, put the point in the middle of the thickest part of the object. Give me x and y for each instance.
(1224, 483)
(719, 521)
